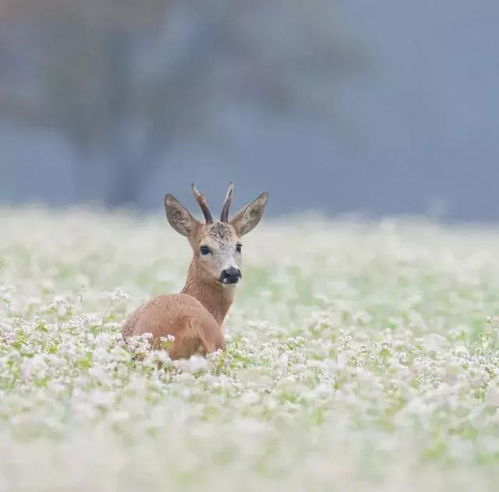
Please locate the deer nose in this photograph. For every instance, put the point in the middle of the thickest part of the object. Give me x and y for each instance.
(230, 275)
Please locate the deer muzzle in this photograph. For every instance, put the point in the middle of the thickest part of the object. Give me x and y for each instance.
(230, 276)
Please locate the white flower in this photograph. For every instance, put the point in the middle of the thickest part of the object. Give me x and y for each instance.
(34, 368)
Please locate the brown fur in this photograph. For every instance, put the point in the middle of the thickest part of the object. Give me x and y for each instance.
(182, 316)
(195, 316)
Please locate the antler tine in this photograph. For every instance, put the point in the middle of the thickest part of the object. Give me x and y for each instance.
(224, 216)
(202, 204)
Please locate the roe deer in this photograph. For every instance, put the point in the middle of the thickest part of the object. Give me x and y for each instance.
(195, 316)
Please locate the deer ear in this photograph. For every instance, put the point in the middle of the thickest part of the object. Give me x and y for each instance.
(248, 217)
(179, 217)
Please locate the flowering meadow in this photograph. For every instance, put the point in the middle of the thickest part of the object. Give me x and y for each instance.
(359, 356)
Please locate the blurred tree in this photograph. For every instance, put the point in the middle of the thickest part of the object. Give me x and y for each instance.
(123, 79)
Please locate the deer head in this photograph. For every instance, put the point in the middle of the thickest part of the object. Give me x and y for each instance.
(216, 245)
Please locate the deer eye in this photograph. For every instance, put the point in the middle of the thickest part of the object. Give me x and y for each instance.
(205, 250)
(239, 247)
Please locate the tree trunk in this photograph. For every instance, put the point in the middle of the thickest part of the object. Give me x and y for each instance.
(129, 173)
(124, 166)
(125, 181)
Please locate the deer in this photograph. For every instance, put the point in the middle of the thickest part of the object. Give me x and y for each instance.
(195, 316)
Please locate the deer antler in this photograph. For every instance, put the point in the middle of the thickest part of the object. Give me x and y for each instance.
(202, 204)
(224, 217)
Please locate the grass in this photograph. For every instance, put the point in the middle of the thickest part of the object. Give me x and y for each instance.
(359, 357)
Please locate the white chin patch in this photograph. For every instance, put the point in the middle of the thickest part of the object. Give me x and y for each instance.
(226, 283)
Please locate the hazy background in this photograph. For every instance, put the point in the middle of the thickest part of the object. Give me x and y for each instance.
(382, 108)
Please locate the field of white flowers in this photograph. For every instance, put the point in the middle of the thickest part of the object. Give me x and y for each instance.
(359, 357)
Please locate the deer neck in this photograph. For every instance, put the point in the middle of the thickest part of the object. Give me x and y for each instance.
(216, 298)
